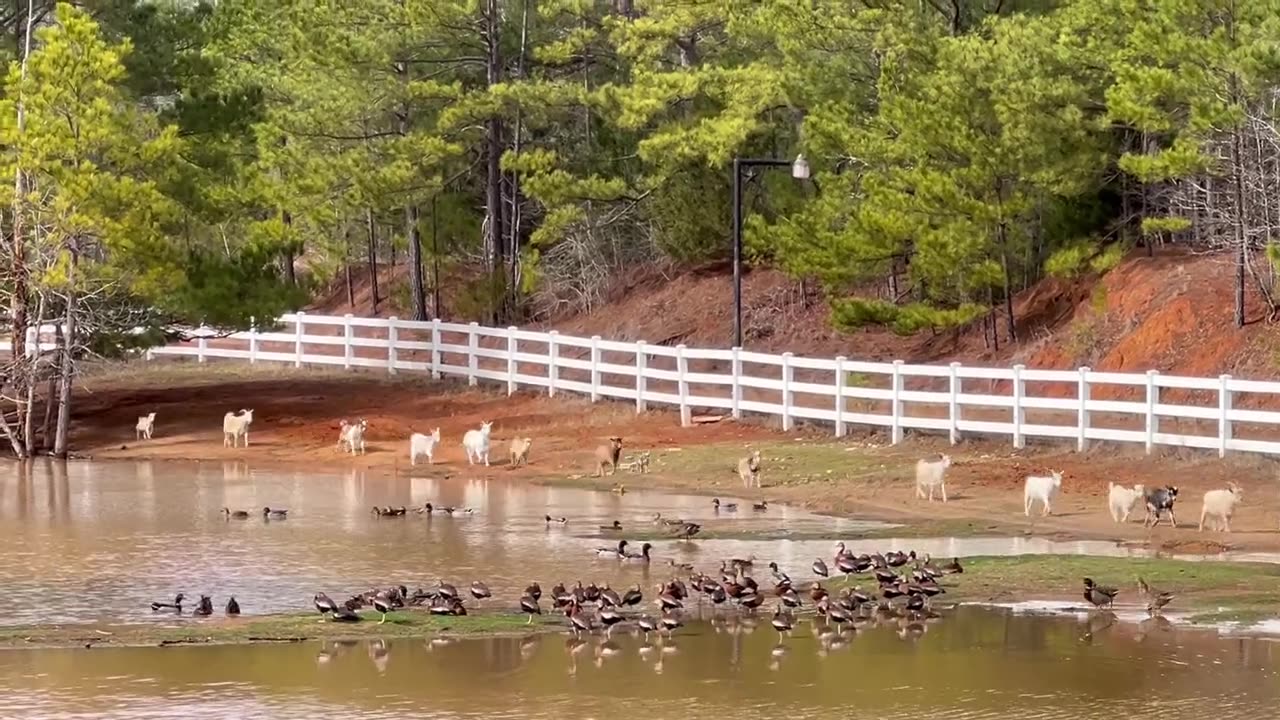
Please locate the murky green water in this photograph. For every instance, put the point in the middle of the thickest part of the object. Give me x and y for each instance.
(89, 543)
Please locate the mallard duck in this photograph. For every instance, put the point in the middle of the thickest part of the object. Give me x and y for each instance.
(233, 607)
(760, 506)
(557, 520)
(529, 606)
(727, 507)
(277, 514)
(236, 514)
(642, 556)
(175, 605)
(820, 568)
(615, 527)
(480, 591)
(1098, 595)
(613, 552)
(1156, 600)
(383, 605)
(344, 614)
(324, 604)
(204, 608)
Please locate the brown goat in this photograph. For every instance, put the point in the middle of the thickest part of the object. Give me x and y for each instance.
(608, 455)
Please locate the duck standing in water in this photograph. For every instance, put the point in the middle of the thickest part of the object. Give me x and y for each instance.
(1098, 595)
(781, 622)
(205, 607)
(175, 605)
(233, 607)
(277, 514)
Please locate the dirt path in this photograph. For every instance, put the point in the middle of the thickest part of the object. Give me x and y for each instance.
(297, 416)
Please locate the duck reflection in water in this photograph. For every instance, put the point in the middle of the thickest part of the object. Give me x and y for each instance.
(380, 654)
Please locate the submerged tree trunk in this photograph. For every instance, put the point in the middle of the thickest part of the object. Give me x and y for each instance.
(67, 364)
(27, 411)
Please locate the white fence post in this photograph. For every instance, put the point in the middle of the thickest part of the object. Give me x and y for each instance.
(682, 368)
(786, 391)
(511, 359)
(595, 368)
(736, 390)
(33, 341)
(347, 348)
(202, 344)
(393, 335)
(473, 342)
(435, 349)
(840, 429)
(253, 340)
(1082, 415)
(553, 354)
(1019, 391)
(298, 331)
(953, 403)
(1224, 410)
(895, 401)
(1153, 420)
(641, 385)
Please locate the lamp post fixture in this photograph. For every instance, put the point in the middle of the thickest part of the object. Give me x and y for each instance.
(799, 171)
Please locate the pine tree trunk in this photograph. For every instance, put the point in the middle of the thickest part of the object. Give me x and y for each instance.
(27, 410)
(495, 238)
(66, 360)
(415, 263)
(373, 258)
(289, 276)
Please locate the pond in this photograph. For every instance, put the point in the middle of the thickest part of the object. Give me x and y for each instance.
(975, 663)
(97, 542)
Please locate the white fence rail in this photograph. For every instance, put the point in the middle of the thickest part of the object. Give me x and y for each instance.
(1083, 405)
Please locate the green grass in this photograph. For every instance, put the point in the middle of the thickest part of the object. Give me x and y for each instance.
(790, 462)
(271, 628)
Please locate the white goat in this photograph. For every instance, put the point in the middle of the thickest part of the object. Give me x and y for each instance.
(146, 424)
(749, 469)
(1042, 488)
(352, 434)
(235, 427)
(420, 444)
(1219, 504)
(476, 443)
(932, 474)
(1122, 499)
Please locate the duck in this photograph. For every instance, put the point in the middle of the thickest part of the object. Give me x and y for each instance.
(444, 605)
(609, 597)
(609, 616)
(556, 520)
(480, 591)
(344, 614)
(529, 606)
(445, 589)
(790, 598)
(615, 527)
(646, 625)
(761, 506)
(632, 597)
(727, 507)
(612, 552)
(233, 607)
(578, 622)
(1098, 595)
(898, 559)
(820, 568)
(952, 568)
(204, 608)
(324, 604)
(619, 489)
(817, 592)
(1155, 600)
(383, 605)
(426, 509)
(667, 600)
(277, 514)
(781, 622)
(750, 600)
(642, 556)
(534, 591)
(670, 621)
(175, 605)
(236, 514)
(688, 530)
(779, 577)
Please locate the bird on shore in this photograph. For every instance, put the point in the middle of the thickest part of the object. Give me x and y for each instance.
(344, 614)
(534, 591)
(276, 514)
(324, 604)
(205, 607)
(233, 607)
(383, 605)
(760, 506)
(1099, 595)
(820, 568)
(1156, 600)
(236, 514)
(480, 591)
(529, 606)
(176, 605)
(953, 567)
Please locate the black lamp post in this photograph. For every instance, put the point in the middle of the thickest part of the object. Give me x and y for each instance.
(800, 171)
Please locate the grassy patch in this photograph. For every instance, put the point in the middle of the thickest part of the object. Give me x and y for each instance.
(271, 628)
(789, 462)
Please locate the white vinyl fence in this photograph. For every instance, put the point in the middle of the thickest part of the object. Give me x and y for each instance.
(1081, 405)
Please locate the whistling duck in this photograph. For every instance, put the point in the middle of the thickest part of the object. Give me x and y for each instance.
(779, 576)
(817, 592)
(447, 590)
(632, 597)
(233, 607)
(929, 587)
(688, 530)
(642, 556)
(590, 593)
(444, 605)
(529, 606)
(204, 608)
(615, 527)
(670, 621)
(646, 625)
(276, 514)
(885, 575)
(610, 597)
(839, 614)
(820, 568)
(556, 520)
(237, 514)
(175, 605)
(891, 591)
(426, 509)
(727, 507)
(760, 506)
(666, 600)
(859, 597)
(382, 605)
(578, 622)
(1099, 595)
(915, 602)
(781, 622)
(1156, 600)
(534, 591)
(344, 614)
(751, 600)
(790, 598)
(480, 591)
(324, 604)
(609, 616)
(613, 552)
